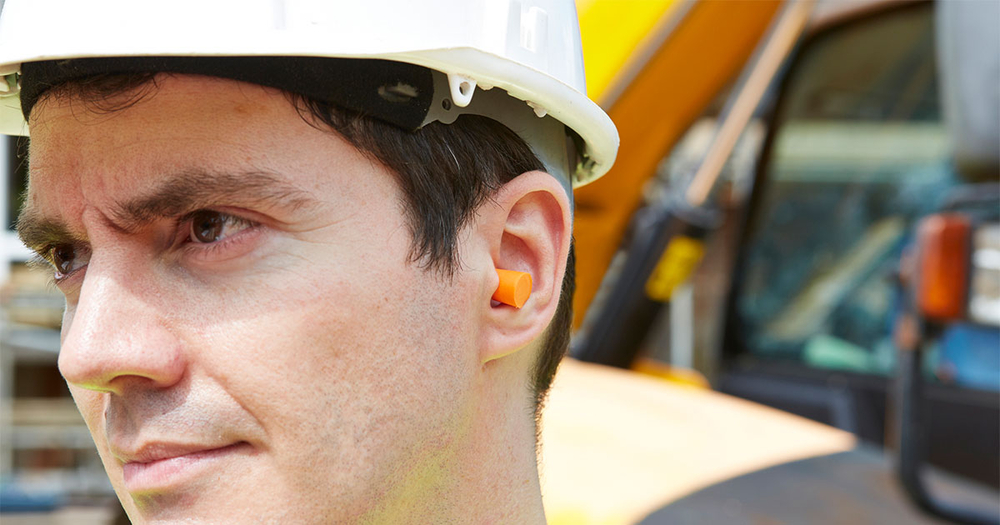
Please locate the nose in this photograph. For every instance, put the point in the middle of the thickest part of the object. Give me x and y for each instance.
(113, 336)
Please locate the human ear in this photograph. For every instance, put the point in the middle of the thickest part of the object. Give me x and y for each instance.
(526, 228)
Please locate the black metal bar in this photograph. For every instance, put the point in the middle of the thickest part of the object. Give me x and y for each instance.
(911, 431)
(618, 328)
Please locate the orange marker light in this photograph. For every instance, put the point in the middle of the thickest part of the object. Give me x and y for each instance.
(942, 266)
(514, 289)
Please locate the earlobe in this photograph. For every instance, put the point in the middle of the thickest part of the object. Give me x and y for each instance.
(528, 232)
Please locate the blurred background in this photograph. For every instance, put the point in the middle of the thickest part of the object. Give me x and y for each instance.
(788, 293)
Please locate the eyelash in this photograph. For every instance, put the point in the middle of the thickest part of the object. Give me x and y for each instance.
(45, 259)
(185, 223)
(212, 248)
(40, 262)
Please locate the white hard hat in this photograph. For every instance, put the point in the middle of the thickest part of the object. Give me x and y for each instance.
(529, 49)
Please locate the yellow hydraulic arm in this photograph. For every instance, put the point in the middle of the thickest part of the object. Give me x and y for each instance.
(653, 65)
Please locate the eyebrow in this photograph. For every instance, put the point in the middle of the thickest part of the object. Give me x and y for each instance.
(180, 193)
(37, 232)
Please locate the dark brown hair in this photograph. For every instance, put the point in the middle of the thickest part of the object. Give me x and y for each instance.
(445, 172)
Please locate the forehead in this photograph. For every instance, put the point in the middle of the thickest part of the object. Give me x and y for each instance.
(182, 123)
(169, 102)
(188, 110)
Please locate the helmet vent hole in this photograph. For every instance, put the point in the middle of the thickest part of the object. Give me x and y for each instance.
(446, 104)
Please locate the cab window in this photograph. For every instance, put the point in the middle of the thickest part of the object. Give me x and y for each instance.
(859, 153)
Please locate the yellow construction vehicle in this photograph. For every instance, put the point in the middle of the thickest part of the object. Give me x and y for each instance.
(822, 83)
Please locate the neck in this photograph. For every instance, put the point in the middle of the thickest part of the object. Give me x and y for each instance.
(489, 474)
(502, 459)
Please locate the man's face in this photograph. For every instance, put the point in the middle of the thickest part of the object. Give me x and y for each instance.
(244, 333)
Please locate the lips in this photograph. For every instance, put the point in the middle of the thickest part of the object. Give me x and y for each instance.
(163, 466)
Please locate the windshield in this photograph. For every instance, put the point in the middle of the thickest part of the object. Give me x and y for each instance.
(860, 152)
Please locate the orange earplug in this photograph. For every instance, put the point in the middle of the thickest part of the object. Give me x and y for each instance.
(514, 289)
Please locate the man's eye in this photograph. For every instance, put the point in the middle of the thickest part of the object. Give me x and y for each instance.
(62, 258)
(209, 226)
(67, 258)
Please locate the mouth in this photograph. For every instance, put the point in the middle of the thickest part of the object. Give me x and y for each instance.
(160, 467)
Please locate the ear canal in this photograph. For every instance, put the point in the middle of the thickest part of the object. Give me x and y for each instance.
(514, 288)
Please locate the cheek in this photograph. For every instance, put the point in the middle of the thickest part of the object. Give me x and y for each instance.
(343, 348)
(352, 363)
